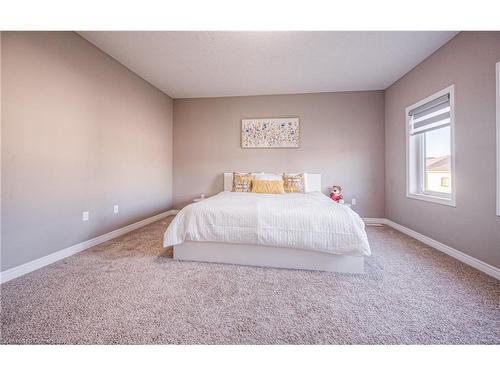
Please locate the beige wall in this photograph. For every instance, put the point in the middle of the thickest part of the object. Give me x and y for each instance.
(79, 132)
(342, 137)
(468, 61)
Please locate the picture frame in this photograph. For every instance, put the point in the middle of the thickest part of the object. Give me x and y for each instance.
(283, 132)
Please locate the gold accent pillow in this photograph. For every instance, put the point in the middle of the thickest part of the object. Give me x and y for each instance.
(242, 182)
(267, 187)
(294, 183)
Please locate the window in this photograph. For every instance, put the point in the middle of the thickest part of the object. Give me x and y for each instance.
(498, 138)
(429, 149)
(445, 182)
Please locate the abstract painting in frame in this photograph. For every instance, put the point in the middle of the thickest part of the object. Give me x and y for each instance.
(270, 133)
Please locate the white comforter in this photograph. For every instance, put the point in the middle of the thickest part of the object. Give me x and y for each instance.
(308, 221)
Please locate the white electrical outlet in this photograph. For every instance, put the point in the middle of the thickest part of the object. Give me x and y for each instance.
(115, 209)
(85, 216)
(353, 201)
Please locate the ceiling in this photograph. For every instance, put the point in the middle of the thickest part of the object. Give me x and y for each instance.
(193, 64)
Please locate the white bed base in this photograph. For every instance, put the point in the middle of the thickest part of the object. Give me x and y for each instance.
(264, 256)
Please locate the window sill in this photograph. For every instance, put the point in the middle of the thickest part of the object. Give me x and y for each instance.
(432, 199)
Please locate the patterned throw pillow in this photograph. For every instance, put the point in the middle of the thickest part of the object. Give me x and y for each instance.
(294, 183)
(242, 182)
(267, 187)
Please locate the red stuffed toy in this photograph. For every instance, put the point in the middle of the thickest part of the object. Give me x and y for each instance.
(336, 194)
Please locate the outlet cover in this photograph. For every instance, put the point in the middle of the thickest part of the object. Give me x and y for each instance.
(116, 209)
(85, 216)
(353, 201)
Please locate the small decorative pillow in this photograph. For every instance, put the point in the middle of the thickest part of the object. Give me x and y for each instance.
(267, 187)
(294, 183)
(242, 182)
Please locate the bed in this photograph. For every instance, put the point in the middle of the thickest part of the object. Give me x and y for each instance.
(294, 230)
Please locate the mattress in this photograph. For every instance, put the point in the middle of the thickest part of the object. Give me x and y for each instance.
(309, 221)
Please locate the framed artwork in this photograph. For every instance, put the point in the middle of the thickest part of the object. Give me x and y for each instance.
(270, 133)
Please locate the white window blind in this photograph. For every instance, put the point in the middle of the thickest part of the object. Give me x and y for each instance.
(431, 115)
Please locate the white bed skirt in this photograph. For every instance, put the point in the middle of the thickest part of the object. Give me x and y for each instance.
(263, 256)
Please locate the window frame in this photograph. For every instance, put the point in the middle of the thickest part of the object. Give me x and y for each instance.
(415, 173)
(498, 133)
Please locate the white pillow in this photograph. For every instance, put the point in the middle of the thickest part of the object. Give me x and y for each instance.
(269, 176)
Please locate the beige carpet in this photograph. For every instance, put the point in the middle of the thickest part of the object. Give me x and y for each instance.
(130, 291)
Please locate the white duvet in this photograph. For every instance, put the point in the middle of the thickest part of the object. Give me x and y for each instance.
(308, 221)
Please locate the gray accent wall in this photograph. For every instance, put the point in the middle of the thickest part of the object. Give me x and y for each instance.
(468, 61)
(342, 137)
(79, 132)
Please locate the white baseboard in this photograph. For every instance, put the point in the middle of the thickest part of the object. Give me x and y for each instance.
(51, 258)
(374, 220)
(464, 258)
(25, 268)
